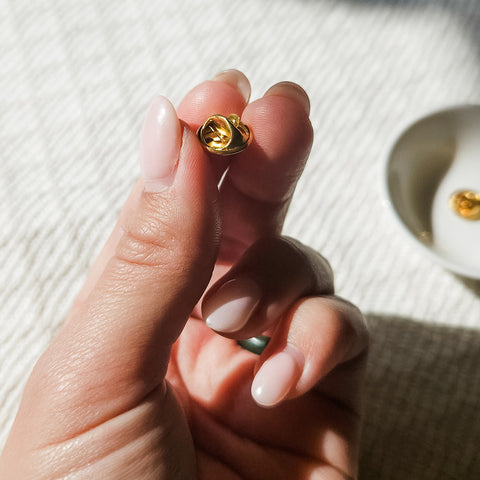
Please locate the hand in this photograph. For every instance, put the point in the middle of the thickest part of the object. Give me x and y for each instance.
(137, 385)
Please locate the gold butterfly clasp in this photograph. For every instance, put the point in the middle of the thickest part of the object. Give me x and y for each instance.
(466, 204)
(224, 135)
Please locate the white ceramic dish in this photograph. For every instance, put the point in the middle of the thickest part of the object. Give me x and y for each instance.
(431, 159)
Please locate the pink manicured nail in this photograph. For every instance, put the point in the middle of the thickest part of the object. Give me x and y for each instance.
(277, 376)
(160, 145)
(237, 79)
(229, 309)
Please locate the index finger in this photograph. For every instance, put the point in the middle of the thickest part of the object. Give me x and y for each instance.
(260, 182)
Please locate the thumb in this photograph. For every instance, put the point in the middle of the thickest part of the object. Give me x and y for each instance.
(114, 347)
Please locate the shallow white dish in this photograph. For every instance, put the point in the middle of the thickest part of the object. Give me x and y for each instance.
(431, 159)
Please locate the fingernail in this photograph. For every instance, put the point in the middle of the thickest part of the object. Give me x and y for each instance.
(160, 145)
(230, 307)
(291, 90)
(277, 376)
(237, 79)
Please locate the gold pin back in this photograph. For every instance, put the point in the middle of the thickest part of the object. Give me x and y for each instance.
(224, 135)
(466, 204)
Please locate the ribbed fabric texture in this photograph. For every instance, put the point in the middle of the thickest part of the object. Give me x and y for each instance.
(75, 80)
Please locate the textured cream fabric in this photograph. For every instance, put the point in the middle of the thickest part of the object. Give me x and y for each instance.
(75, 79)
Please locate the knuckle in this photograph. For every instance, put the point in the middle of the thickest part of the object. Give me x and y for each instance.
(275, 258)
(353, 320)
(139, 247)
(152, 240)
(321, 272)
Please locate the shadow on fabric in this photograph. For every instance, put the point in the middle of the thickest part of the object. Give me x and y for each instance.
(467, 11)
(473, 285)
(422, 401)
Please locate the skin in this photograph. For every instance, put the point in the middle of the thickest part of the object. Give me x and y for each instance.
(136, 385)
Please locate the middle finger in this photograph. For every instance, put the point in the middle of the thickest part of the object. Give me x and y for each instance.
(260, 182)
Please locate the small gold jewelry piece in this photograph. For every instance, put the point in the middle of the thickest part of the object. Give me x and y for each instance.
(466, 204)
(224, 135)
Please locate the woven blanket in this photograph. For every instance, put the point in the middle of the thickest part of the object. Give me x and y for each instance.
(76, 77)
